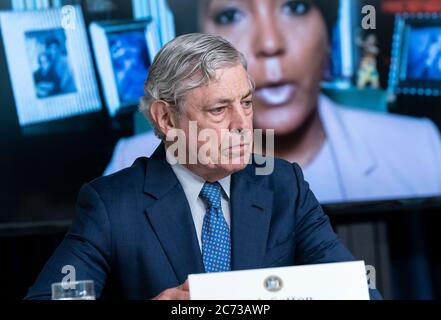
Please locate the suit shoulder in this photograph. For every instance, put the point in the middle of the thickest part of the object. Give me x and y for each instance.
(262, 160)
(390, 132)
(274, 169)
(405, 147)
(132, 176)
(386, 122)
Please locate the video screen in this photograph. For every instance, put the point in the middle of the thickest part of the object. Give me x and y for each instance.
(130, 61)
(424, 54)
(349, 152)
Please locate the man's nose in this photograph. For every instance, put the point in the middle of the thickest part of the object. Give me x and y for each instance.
(269, 39)
(239, 119)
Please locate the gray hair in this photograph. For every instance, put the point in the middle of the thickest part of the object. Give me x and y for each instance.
(183, 64)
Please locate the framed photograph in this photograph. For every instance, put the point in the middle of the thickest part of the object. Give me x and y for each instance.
(416, 55)
(124, 51)
(50, 66)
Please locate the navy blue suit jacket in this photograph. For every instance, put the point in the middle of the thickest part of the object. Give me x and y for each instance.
(134, 234)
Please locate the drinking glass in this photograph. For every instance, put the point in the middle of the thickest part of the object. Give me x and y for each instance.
(74, 290)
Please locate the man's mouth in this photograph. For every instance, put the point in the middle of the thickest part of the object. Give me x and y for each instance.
(238, 146)
(236, 150)
(276, 95)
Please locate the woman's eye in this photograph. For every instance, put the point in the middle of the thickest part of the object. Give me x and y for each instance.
(296, 7)
(227, 16)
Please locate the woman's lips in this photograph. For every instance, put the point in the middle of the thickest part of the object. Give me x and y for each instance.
(276, 95)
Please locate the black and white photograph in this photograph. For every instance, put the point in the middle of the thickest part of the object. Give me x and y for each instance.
(52, 71)
(50, 66)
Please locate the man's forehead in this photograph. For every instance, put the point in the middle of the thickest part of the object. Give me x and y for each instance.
(228, 85)
(225, 94)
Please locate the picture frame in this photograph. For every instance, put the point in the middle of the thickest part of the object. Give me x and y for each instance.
(416, 55)
(124, 51)
(50, 65)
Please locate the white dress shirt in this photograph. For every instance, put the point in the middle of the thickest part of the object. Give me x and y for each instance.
(192, 185)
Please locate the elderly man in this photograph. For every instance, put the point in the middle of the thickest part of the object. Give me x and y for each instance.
(140, 232)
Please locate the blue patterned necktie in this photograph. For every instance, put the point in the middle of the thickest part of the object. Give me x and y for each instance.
(216, 244)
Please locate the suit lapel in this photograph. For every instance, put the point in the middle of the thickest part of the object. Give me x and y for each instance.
(170, 217)
(353, 157)
(251, 207)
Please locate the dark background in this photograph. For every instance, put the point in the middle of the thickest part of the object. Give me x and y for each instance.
(43, 167)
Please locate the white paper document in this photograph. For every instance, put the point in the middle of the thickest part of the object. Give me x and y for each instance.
(331, 281)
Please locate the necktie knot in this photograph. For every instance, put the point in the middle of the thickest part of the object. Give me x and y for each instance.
(211, 193)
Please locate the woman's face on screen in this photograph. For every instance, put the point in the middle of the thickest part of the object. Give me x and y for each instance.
(285, 45)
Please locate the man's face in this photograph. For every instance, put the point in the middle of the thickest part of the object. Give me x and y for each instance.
(54, 51)
(223, 112)
(44, 63)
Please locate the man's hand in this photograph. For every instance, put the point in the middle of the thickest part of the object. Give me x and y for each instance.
(178, 293)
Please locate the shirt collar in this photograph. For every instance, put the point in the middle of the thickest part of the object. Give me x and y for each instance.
(191, 182)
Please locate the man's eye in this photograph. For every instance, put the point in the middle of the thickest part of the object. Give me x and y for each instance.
(296, 7)
(248, 104)
(227, 16)
(217, 111)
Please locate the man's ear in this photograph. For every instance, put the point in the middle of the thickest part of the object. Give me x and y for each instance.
(162, 114)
